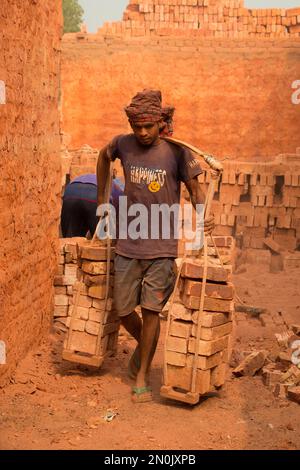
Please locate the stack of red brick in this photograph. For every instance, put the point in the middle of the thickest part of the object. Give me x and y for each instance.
(218, 18)
(213, 347)
(259, 200)
(93, 325)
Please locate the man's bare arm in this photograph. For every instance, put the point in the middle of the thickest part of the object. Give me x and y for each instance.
(198, 197)
(196, 194)
(103, 165)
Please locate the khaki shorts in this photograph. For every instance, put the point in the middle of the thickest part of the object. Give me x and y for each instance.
(147, 282)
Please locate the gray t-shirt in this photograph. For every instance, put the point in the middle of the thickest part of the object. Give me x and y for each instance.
(152, 177)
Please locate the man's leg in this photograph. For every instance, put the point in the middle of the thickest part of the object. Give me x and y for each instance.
(133, 324)
(148, 344)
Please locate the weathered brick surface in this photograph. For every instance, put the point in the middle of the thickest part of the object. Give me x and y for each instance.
(238, 84)
(30, 172)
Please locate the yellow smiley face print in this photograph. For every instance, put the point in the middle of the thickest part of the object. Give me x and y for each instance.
(154, 187)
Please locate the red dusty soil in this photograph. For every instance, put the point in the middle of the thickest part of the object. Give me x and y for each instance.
(56, 405)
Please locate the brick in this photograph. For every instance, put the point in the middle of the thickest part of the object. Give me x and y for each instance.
(95, 268)
(83, 342)
(218, 375)
(83, 301)
(64, 281)
(100, 304)
(271, 376)
(180, 329)
(175, 359)
(210, 304)
(211, 319)
(69, 290)
(293, 394)
(60, 311)
(60, 290)
(92, 328)
(181, 377)
(251, 364)
(82, 313)
(208, 348)
(71, 270)
(270, 243)
(206, 362)
(280, 391)
(94, 280)
(194, 270)
(99, 292)
(213, 333)
(96, 315)
(96, 253)
(61, 300)
(77, 324)
(217, 291)
(177, 344)
(180, 312)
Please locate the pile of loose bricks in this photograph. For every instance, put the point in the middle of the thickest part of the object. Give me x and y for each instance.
(212, 18)
(214, 346)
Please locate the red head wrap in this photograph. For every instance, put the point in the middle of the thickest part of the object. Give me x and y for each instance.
(145, 107)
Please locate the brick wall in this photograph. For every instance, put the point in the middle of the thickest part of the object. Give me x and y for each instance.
(213, 18)
(30, 172)
(233, 97)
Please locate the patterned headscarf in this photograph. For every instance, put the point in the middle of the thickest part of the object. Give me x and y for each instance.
(145, 107)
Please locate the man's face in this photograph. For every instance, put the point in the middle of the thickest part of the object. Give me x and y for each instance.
(146, 132)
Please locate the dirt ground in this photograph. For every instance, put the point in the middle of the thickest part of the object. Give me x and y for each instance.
(52, 404)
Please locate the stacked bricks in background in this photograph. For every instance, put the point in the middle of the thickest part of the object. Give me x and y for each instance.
(93, 330)
(79, 162)
(211, 18)
(216, 328)
(259, 200)
(65, 278)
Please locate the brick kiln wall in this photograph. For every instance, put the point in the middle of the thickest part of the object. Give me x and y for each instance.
(30, 172)
(233, 96)
(217, 18)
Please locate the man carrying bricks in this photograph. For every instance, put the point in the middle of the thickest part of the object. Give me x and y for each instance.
(144, 267)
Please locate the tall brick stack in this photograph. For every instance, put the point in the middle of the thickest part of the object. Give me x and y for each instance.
(259, 200)
(214, 331)
(93, 325)
(213, 18)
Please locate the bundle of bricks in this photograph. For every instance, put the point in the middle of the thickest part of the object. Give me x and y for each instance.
(66, 277)
(93, 325)
(212, 18)
(213, 348)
